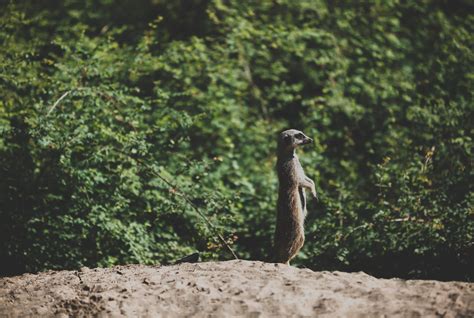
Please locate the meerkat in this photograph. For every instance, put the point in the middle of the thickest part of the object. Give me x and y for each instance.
(291, 206)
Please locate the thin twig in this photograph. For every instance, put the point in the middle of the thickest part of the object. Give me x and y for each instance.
(355, 229)
(407, 219)
(58, 101)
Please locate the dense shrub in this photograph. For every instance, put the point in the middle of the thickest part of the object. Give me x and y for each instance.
(101, 100)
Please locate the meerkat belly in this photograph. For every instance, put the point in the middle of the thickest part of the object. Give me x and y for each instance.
(291, 212)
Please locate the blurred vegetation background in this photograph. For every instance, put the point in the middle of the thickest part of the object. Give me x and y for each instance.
(99, 98)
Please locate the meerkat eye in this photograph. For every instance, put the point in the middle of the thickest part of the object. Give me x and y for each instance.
(300, 136)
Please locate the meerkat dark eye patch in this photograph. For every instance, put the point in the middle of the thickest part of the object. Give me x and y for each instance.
(300, 136)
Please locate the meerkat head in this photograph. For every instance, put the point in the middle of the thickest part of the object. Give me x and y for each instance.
(289, 139)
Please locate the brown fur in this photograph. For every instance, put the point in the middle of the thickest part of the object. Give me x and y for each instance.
(291, 206)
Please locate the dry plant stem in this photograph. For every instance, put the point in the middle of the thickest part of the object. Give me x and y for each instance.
(63, 96)
(190, 202)
(58, 101)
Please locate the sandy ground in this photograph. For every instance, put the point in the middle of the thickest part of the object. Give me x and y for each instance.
(233, 288)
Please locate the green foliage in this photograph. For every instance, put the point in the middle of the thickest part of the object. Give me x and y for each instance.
(100, 98)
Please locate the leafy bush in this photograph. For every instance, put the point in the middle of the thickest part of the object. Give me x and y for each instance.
(98, 106)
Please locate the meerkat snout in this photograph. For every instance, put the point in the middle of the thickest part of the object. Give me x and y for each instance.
(292, 138)
(307, 141)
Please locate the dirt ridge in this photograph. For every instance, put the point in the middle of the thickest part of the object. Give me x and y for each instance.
(231, 288)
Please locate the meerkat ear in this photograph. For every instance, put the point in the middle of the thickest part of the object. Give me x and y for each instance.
(287, 138)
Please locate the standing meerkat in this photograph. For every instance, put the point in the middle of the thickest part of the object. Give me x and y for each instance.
(289, 232)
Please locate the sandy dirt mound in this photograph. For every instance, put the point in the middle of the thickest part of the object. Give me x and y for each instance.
(242, 288)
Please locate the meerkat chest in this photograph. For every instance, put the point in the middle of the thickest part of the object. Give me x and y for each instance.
(299, 172)
(291, 172)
